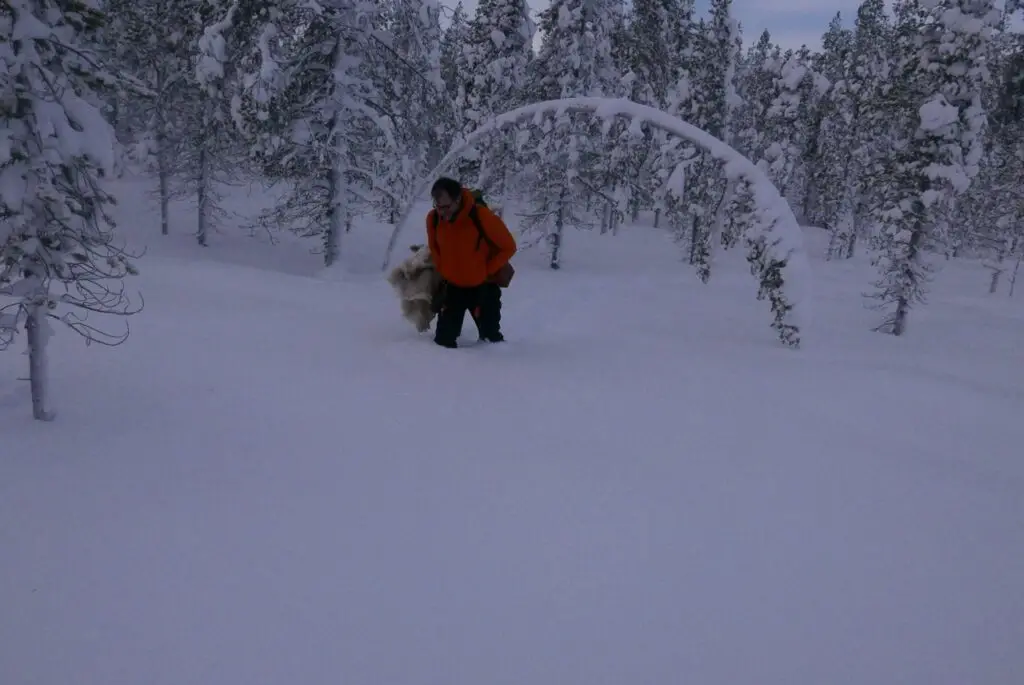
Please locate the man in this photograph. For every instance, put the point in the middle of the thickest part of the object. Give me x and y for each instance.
(470, 247)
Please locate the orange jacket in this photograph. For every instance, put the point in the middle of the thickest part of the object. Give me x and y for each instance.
(459, 254)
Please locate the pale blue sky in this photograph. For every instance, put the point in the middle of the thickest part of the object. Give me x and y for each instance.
(791, 22)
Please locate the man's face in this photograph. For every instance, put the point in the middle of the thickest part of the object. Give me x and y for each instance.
(446, 205)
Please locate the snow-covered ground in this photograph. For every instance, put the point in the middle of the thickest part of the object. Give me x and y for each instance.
(276, 481)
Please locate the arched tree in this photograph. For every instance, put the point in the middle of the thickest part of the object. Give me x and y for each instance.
(772, 237)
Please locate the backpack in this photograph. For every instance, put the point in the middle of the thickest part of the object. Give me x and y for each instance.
(504, 275)
(478, 197)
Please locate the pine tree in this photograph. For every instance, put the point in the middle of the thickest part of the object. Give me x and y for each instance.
(994, 208)
(620, 26)
(154, 40)
(936, 103)
(617, 184)
(57, 251)
(207, 147)
(861, 139)
(497, 53)
(233, 38)
(784, 127)
(414, 94)
(656, 71)
(671, 157)
(828, 136)
(324, 121)
(575, 60)
(755, 84)
(826, 149)
(650, 52)
(812, 93)
(712, 105)
(452, 43)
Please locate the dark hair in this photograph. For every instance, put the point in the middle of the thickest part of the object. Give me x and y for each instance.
(448, 186)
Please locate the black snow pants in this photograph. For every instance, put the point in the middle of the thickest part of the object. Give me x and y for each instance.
(483, 302)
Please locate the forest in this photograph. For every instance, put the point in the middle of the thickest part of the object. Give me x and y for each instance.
(902, 136)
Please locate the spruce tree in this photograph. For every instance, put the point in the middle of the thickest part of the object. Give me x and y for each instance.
(453, 41)
(994, 208)
(58, 256)
(324, 122)
(498, 51)
(712, 106)
(414, 95)
(861, 138)
(937, 108)
(154, 41)
(575, 60)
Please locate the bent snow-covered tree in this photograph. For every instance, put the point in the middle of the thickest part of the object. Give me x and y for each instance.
(57, 256)
(773, 238)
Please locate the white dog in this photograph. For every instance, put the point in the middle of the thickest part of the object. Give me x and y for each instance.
(416, 281)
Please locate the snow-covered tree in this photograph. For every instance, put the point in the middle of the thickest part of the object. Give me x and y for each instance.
(575, 59)
(755, 85)
(154, 40)
(206, 147)
(650, 52)
(324, 120)
(452, 43)
(656, 64)
(813, 92)
(858, 136)
(994, 207)
(620, 26)
(937, 107)
(823, 156)
(711, 105)
(414, 95)
(497, 53)
(786, 123)
(58, 257)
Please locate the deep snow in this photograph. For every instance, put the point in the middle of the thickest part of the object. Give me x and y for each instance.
(276, 481)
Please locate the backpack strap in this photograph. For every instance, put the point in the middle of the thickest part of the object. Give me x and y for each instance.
(475, 218)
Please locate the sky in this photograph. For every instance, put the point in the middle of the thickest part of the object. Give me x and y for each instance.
(792, 23)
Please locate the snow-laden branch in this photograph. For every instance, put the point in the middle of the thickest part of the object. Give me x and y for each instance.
(777, 256)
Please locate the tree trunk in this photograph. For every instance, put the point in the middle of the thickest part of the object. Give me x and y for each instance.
(36, 330)
(694, 239)
(556, 236)
(851, 237)
(203, 197)
(1016, 268)
(712, 237)
(1013, 276)
(899, 320)
(997, 270)
(162, 162)
(335, 222)
(164, 172)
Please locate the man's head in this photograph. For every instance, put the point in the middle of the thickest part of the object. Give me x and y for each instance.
(447, 194)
